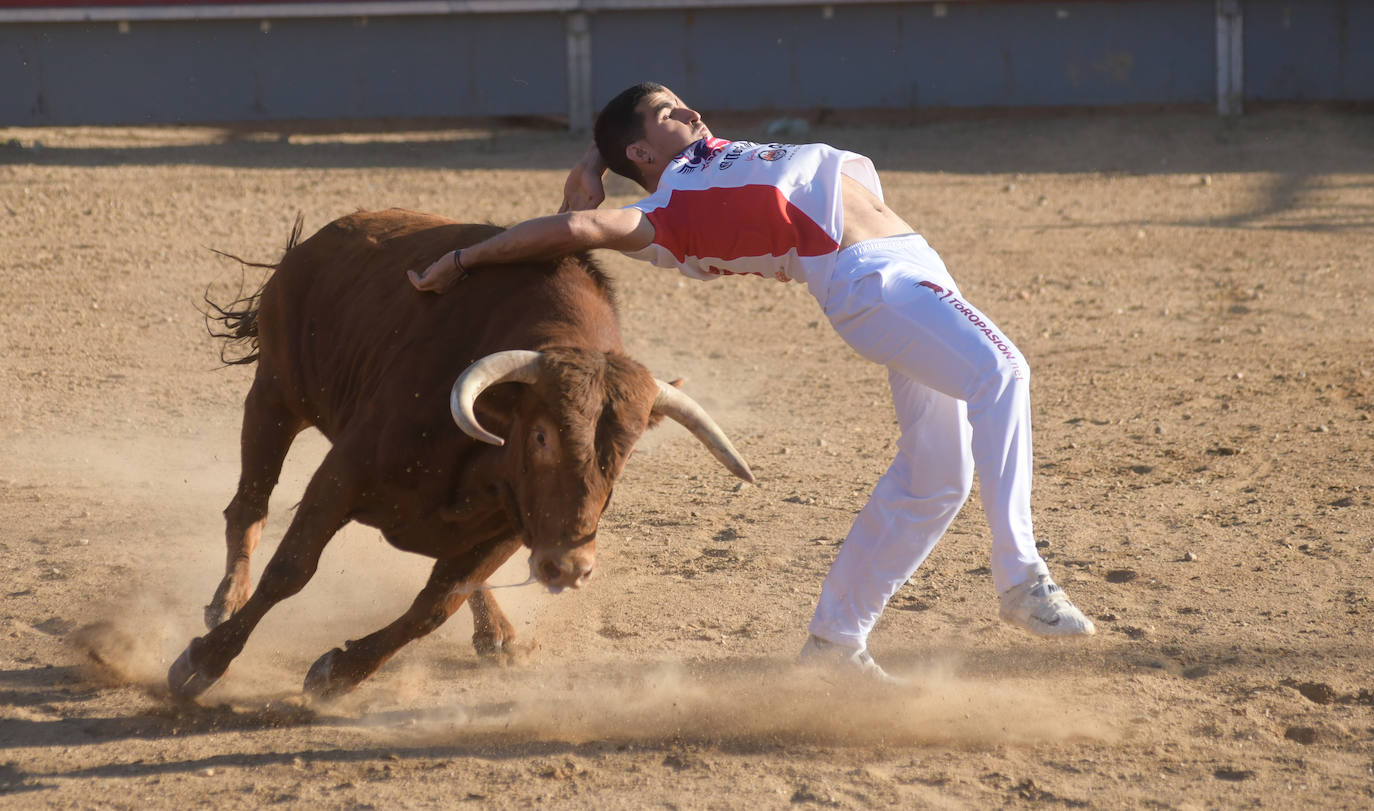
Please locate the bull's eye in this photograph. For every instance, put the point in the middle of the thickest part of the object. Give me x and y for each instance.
(541, 439)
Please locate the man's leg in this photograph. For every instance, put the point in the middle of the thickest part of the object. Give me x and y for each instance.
(911, 507)
(902, 309)
(974, 360)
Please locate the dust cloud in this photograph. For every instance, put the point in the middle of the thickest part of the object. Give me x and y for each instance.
(760, 701)
(130, 637)
(169, 551)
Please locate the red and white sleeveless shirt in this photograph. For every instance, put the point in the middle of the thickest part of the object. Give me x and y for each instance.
(726, 208)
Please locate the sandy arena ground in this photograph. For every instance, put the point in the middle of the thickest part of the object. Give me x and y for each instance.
(1194, 296)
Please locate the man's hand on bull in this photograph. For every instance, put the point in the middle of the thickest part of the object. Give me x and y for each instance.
(620, 229)
(445, 272)
(584, 190)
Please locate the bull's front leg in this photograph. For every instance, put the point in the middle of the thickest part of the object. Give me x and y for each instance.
(493, 636)
(324, 509)
(342, 669)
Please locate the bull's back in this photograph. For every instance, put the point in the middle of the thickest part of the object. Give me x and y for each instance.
(344, 333)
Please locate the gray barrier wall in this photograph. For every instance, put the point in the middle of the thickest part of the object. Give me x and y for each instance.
(244, 62)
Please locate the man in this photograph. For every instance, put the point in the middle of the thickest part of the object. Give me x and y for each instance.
(816, 214)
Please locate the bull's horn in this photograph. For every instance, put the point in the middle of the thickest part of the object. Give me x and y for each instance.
(672, 403)
(510, 366)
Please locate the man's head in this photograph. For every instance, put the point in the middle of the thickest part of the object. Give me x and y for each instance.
(644, 127)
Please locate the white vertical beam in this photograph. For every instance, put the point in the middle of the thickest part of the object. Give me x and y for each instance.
(579, 71)
(1230, 57)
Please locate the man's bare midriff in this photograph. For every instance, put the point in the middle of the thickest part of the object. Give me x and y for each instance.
(865, 216)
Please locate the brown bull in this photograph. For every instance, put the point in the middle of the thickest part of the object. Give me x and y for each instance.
(344, 343)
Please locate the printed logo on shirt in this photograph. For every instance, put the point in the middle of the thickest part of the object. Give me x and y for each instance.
(701, 153)
(732, 154)
(771, 152)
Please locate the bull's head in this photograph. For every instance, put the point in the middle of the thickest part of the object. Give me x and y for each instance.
(568, 441)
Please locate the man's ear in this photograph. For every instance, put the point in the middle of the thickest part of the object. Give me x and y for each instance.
(638, 153)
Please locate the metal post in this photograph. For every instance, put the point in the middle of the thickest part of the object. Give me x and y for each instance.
(1230, 58)
(579, 72)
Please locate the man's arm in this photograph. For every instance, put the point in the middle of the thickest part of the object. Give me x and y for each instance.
(584, 189)
(622, 229)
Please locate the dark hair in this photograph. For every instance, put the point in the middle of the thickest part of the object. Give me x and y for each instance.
(618, 125)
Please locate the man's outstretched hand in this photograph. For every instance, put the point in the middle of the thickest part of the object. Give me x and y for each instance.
(439, 276)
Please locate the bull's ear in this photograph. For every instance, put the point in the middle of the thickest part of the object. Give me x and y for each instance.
(656, 417)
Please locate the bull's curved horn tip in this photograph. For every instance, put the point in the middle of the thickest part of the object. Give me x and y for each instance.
(736, 465)
(513, 365)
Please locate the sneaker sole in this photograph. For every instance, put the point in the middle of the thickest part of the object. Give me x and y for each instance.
(1052, 633)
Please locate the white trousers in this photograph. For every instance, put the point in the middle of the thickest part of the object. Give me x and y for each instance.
(962, 395)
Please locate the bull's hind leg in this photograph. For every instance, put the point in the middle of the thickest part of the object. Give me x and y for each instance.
(493, 636)
(342, 669)
(268, 430)
(323, 510)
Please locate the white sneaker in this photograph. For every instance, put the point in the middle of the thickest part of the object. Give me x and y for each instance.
(839, 659)
(1039, 606)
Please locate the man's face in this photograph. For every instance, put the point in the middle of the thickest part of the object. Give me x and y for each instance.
(669, 127)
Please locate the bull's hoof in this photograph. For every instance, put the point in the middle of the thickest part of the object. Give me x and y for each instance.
(215, 614)
(185, 680)
(320, 682)
(229, 598)
(503, 653)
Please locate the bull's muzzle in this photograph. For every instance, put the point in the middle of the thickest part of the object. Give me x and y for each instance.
(563, 568)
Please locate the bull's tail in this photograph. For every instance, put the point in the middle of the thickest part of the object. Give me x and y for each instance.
(237, 321)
